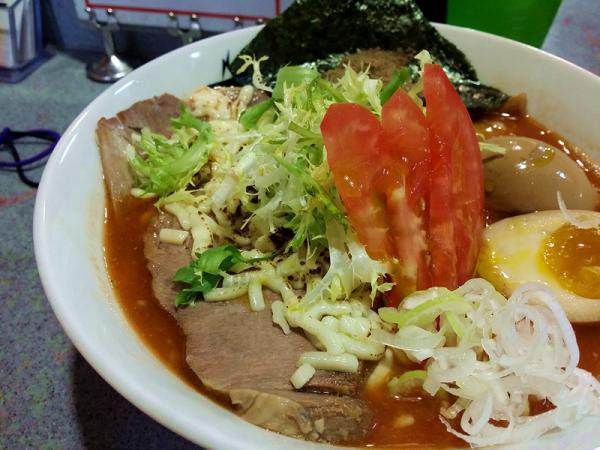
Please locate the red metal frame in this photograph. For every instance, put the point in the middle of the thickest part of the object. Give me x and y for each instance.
(94, 5)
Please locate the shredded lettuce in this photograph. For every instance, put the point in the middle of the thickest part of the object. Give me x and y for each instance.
(358, 87)
(162, 165)
(257, 78)
(293, 185)
(292, 76)
(423, 57)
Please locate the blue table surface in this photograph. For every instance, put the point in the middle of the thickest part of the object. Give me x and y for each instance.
(50, 397)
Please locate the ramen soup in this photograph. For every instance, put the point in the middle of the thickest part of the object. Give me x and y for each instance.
(348, 261)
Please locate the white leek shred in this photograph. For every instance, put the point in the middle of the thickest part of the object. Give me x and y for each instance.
(575, 218)
(416, 342)
(502, 352)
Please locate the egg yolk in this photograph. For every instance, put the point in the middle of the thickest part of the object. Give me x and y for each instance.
(573, 256)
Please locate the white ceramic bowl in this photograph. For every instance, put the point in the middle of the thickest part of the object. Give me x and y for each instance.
(69, 214)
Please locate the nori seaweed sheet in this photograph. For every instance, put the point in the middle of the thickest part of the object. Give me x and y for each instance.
(321, 32)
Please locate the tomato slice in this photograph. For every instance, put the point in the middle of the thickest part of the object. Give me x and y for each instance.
(406, 138)
(352, 137)
(380, 172)
(456, 198)
(412, 184)
(442, 251)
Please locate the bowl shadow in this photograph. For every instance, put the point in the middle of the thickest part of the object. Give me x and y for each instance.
(106, 420)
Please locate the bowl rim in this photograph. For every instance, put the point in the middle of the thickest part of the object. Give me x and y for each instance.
(202, 433)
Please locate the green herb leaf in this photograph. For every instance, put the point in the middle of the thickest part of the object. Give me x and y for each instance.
(198, 286)
(205, 272)
(398, 79)
(252, 115)
(218, 259)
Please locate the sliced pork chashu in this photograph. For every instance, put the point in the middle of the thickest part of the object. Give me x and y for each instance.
(242, 354)
(233, 350)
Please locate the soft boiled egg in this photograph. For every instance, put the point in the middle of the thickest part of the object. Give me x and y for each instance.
(527, 176)
(545, 247)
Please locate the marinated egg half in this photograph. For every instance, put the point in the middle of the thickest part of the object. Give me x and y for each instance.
(527, 177)
(545, 247)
